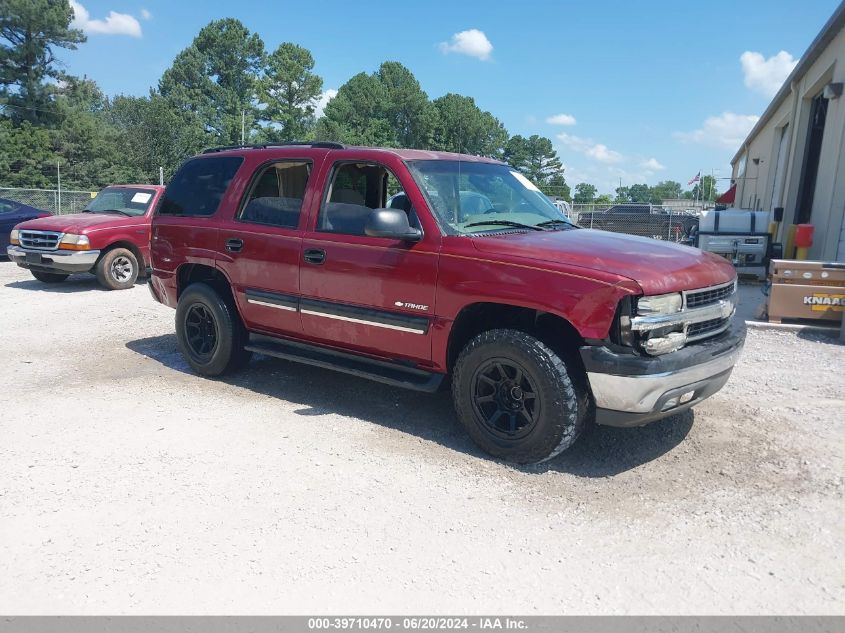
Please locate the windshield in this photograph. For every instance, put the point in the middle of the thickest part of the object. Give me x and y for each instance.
(126, 200)
(469, 198)
(7, 206)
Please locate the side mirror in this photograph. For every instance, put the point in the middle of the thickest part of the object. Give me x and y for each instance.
(392, 223)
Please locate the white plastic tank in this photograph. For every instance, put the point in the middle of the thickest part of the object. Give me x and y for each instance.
(734, 221)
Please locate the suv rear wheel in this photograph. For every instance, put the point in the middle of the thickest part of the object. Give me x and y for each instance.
(209, 330)
(517, 398)
(117, 269)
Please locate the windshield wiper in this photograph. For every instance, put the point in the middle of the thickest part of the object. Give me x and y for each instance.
(517, 225)
(111, 211)
(557, 223)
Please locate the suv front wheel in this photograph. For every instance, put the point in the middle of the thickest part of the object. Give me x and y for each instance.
(209, 330)
(517, 398)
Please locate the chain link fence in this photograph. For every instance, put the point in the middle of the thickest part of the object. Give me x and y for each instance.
(57, 202)
(645, 220)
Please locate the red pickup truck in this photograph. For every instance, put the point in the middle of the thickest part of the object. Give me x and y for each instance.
(111, 238)
(409, 266)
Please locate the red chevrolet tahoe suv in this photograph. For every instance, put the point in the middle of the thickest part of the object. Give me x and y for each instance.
(408, 266)
(111, 238)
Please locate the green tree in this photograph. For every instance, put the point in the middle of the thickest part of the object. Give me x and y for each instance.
(461, 126)
(533, 156)
(88, 147)
(556, 186)
(153, 133)
(387, 108)
(216, 77)
(623, 194)
(407, 109)
(705, 189)
(604, 199)
(289, 89)
(665, 190)
(27, 158)
(30, 31)
(355, 115)
(585, 193)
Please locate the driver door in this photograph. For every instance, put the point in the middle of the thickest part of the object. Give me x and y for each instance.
(367, 294)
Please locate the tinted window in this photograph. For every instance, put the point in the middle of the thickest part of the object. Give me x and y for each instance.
(356, 189)
(7, 206)
(198, 187)
(277, 194)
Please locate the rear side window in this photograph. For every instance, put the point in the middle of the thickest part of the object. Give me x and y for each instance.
(198, 187)
(277, 194)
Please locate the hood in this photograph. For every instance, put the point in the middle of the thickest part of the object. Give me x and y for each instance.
(657, 266)
(76, 222)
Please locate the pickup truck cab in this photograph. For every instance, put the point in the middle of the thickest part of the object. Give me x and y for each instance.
(410, 267)
(110, 239)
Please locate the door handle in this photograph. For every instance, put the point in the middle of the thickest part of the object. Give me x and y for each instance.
(234, 245)
(314, 255)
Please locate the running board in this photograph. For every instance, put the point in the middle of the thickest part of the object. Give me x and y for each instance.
(394, 374)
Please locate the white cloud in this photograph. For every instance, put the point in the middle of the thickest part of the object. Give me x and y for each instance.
(114, 24)
(146, 14)
(766, 76)
(320, 104)
(561, 119)
(586, 146)
(603, 154)
(473, 43)
(652, 164)
(728, 130)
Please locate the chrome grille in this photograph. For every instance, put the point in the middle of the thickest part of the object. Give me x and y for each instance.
(40, 240)
(709, 296)
(703, 329)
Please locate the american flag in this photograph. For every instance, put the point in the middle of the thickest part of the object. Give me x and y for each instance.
(696, 179)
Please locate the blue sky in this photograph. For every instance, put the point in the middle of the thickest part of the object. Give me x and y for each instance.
(657, 90)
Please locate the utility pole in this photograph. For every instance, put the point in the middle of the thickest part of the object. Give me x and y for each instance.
(59, 185)
(161, 175)
(243, 125)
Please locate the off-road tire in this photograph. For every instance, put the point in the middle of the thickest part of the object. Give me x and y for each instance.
(562, 398)
(228, 353)
(49, 278)
(118, 269)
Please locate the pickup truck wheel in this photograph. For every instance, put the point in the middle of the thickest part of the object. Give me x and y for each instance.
(209, 330)
(117, 269)
(516, 398)
(49, 278)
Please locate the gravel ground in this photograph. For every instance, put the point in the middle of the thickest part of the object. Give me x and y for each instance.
(130, 485)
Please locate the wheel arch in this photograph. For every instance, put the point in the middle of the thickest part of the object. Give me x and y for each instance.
(474, 318)
(131, 247)
(190, 273)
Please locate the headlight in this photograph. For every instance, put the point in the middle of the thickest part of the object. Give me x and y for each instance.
(660, 304)
(71, 242)
(14, 238)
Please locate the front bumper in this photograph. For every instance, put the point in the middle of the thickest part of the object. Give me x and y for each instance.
(631, 390)
(51, 261)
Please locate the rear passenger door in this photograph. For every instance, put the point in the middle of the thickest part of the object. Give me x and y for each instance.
(262, 244)
(369, 294)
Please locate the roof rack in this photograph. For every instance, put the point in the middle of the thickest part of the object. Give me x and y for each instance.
(313, 144)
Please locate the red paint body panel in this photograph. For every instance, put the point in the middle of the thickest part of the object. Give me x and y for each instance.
(579, 275)
(105, 229)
